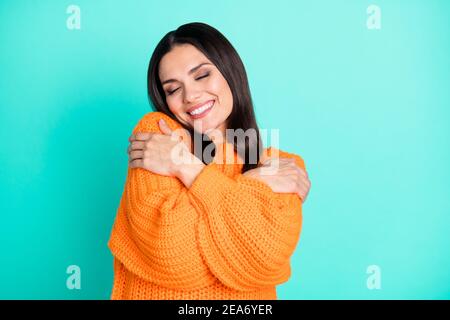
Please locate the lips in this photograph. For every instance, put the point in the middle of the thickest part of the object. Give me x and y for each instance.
(198, 106)
(201, 110)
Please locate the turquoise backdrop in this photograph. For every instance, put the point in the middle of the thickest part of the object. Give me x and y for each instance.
(367, 109)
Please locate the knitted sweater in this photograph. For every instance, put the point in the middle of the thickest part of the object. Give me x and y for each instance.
(228, 236)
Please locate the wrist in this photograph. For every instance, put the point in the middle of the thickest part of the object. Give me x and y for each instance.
(188, 170)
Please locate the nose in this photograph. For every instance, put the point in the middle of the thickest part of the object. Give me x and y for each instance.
(191, 94)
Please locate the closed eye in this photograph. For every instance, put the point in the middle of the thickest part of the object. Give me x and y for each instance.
(204, 76)
(199, 78)
(170, 92)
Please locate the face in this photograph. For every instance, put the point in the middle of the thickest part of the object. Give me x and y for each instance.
(195, 90)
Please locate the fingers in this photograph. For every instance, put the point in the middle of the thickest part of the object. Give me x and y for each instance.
(303, 192)
(138, 141)
(136, 145)
(286, 166)
(139, 154)
(137, 163)
(302, 197)
(303, 182)
(279, 166)
(283, 165)
(140, 136)
(302, 172)
(290, 162)
(304, 187)
(281, 161)
(165, 129)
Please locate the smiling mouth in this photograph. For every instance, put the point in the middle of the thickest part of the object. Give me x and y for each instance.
(202, 111)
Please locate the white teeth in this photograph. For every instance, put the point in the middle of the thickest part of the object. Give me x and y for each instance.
(201, 109)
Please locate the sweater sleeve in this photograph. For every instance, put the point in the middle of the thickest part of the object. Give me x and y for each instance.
(154, 234)
(235, 229)
(246, 232)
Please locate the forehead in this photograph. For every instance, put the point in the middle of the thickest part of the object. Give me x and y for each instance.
(178, 61)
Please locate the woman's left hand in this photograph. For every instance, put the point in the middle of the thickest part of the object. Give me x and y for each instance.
(158, 153)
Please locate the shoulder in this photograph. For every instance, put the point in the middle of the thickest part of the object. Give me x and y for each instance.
(272, 152)
(149, 122)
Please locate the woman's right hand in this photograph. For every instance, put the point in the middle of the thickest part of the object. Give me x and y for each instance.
(287, 178)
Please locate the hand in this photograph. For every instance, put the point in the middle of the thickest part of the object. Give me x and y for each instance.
(288, 178)
(159, 153)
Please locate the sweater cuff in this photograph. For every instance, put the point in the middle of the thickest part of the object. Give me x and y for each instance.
(210, 186)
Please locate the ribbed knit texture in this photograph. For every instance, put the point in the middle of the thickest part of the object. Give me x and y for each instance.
(228, 236)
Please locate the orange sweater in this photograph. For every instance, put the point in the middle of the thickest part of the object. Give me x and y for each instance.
(226, 237)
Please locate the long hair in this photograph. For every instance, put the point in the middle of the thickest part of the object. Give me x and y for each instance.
(222, 54)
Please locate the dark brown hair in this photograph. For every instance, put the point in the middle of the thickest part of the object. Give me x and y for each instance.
(222, 54)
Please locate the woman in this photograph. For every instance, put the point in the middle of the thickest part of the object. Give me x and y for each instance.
(193, 227)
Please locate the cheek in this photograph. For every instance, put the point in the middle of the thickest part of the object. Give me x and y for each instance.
(174, 104)
(220, 88)
(227, 97)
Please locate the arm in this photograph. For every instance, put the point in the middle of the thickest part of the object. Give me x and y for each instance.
(154, 232)
(247, 233)
(188, 173)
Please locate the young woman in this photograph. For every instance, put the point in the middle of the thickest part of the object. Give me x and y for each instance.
(217, 227)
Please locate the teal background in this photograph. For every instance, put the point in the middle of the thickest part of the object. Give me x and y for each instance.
(368, 110)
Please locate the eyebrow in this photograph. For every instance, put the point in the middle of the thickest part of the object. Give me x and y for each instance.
(190, 72)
